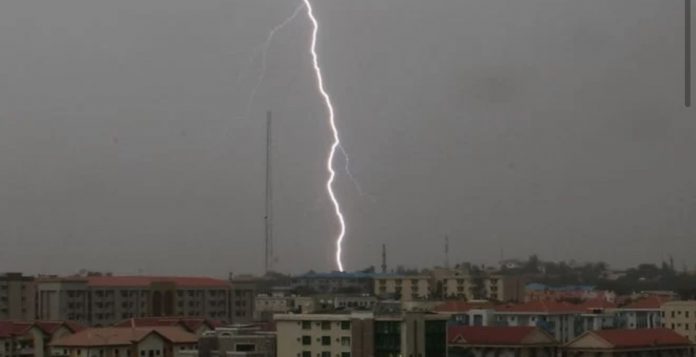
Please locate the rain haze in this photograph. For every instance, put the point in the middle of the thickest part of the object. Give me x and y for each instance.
(129, 141)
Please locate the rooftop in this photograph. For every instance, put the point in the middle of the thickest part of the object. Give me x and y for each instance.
(622, 338)
(124, 336)
(498, 335)
(647, 303)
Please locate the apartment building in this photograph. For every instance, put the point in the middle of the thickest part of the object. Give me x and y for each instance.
(556, 318)
(267, 305)
(642, 313)
(404, 287)
(103, 300)
(243, 292)
(126, 342)
(361, 335)
(504, 288)
(458, 284)
(463, 313)
(17, 294)
(680, 316)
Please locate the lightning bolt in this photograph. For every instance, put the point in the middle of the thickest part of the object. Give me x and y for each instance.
(336, 145)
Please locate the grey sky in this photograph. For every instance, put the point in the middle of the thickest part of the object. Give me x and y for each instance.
(549, 126)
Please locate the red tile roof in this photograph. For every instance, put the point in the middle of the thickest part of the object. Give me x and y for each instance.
(648, 303)
(19, 328)
(124, 336)
(491, 335)
(140, 281)
(544, 307)
(622, 338)
(14, 328)
(461, 306)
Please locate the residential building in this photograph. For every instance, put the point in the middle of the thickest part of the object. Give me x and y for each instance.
(556, 318)
(243, 292)
(333, 283)
(237, 341)
(196, 326)
(680, 316)
(642, 313)
(464, 313)
(504, 288)
(403, 287)
(596, 314)
(17, 294)
(265, 306)
(500, 341)
(126, 342)
(361, 334)
(32, 338)
(624, 342)
(458, 284)
(103, 300)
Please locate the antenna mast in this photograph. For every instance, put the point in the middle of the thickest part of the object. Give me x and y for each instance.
(268, 218)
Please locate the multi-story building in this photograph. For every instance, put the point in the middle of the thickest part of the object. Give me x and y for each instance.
(462, 313)
(265, 306)
(404, 287)
(680, 316)
(556, 318)
(504, 288)
(333, 283)
(103, 300)
(361, 335)
(459, 284)
(17, 294)
(642, 313)
(126, 342)
(238, 341)
(242, 298)
(635, 342)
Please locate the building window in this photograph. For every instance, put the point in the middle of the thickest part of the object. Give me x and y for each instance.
(306, 340)
(326, 325)
(326, 354)
(345, 354)
(306, 354)
(686, 314)
(345, 341)
(326, 340)
(345, 325)
(306, 325)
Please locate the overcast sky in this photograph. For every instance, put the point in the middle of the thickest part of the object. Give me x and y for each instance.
(514, 126)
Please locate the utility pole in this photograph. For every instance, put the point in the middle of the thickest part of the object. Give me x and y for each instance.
(268, 218)
(446, 252)
(384, 258)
